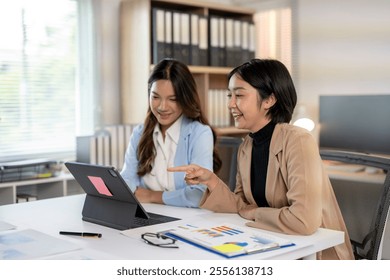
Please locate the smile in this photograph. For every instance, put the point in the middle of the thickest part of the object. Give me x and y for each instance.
(164, 115)
(236, 115)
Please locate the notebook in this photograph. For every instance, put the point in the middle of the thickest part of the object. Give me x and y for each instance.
(109, 201)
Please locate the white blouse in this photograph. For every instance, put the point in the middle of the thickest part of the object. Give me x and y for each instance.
(159, 179)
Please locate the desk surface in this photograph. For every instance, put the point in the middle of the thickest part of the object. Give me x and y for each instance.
(53, 215)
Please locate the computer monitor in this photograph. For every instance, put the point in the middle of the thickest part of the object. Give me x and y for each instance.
(359, 123)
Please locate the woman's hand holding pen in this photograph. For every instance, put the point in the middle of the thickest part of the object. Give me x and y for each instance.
(196, 174)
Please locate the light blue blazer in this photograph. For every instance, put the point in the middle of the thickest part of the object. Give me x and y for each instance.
(195, 145)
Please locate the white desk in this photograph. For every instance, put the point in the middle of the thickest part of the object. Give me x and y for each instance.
(64, 213)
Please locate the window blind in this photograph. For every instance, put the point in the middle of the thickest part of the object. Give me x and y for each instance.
(38, 78)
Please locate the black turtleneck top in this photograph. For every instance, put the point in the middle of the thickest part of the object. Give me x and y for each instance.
(259, 164)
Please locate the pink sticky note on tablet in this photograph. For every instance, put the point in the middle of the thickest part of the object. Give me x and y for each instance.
(100, 185)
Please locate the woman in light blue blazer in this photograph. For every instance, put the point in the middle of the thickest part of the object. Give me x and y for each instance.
(175, 132)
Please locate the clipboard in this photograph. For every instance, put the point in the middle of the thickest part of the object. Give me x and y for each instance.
(226, 239)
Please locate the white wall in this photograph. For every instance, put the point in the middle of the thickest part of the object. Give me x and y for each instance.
(106, 14)
(340, 47)
(343, 47)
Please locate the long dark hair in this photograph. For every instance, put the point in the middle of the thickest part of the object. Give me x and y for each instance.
(187, 97)
(269, 77)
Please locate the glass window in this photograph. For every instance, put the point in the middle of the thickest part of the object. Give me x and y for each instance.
(41, 78)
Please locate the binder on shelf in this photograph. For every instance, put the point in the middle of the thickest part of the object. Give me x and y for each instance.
(128, 132)
(230, 62)
(237, 42)
(225, 110)
(194, 46)
(222, 42)
(176, 40)
(210, 107)
(121, 145)
(22, 197)
(119, 138)
(103, 151)
(113, 130)
(168, 34)
(252, 41)
(158, 36)
(185, 37)
(107, 149)
(245, 41)
(215, 107)
(100, 150)
(214, 41)
(203, 41)
(218, 112)
(226, 239)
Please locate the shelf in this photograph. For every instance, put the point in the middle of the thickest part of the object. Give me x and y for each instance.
(57, 186)
(206, 69)
(137, 58)
(203, 5)
(210, 70)
(231, 131)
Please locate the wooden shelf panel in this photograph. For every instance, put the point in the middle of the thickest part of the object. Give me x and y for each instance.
(231, 130)
(206, 69)
(213, 7)
(209, 70)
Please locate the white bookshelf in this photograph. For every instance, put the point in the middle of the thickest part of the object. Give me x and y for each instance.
(61, 185)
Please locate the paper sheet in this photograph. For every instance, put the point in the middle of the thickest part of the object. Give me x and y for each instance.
(6, 226)
(31, 244)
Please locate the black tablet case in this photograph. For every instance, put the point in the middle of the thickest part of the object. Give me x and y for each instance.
(116, 211)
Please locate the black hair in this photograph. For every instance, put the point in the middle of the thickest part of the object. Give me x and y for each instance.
(187, 97)
(269, 77)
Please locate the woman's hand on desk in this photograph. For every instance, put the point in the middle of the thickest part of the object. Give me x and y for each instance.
(196, 174)
(148, 196)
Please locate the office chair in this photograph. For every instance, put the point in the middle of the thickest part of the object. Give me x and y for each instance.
(227, 148)
(366, 234)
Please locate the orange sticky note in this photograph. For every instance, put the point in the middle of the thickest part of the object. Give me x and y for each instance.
(100, 185)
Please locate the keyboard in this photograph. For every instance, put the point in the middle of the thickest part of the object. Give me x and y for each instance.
(153, 220)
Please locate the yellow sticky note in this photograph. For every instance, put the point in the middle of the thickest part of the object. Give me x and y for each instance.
(228, 248)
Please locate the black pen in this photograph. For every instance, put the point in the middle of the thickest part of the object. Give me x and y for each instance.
(82, 234)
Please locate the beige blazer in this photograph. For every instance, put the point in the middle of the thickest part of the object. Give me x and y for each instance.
(298, 190)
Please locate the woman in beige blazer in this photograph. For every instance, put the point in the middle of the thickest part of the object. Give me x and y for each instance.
(281, 184)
